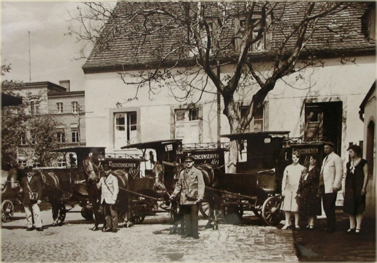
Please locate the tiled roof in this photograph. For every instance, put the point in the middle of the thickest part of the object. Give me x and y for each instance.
(122, 50)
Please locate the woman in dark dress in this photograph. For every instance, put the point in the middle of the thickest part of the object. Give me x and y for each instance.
(310, 202)
(355, 189)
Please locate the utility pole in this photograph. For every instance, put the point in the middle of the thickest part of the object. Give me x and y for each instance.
(29, 60)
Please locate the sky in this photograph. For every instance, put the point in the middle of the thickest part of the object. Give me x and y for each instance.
(53, 56)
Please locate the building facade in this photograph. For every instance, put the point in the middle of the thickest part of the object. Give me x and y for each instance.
(67, 107)
(316, 104)
(368, 109)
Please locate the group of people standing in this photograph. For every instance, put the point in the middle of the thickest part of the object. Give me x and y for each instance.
(303, 188)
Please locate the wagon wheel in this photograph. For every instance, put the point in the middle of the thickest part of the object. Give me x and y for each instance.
(204, 209)
(271, 212)
(87, 213)
(7, 210)
(138, 219)
(62, 212)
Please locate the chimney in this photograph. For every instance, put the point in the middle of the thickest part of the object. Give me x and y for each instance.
(66, 84)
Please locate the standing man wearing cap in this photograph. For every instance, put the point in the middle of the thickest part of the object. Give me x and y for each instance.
(109, 193)
(32, 183)
(191, 186)
(330, 183)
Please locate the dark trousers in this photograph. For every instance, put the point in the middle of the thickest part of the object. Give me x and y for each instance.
(111, 216)
(190, 215)
(329, 207)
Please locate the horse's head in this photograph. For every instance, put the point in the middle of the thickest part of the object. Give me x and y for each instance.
(158, 171)
(14, 178)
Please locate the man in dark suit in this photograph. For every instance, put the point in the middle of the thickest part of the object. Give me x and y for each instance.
(191, 187)
(32, 183)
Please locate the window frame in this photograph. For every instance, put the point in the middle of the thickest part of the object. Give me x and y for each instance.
(76, 138)
(75, 107)
(59, 107)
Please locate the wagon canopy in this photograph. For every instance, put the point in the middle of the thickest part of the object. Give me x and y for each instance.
(166, 150)
(251, 135)
(81, 150)
(152, 144)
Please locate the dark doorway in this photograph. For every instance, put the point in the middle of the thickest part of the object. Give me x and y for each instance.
(370, 147)
(323, 122)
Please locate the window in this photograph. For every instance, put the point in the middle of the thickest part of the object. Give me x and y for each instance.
(257, 124)
(188, 125)
(23, 139)
(59, 106)
(34, 108)
(33, 138)
(22, 162)
(61, 136)
(240, 29)
(75, 135)
(75, 106)
(126, 128)
(61, 162)
(368, 23)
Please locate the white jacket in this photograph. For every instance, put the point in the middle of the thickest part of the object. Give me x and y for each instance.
(109, 189)
(332, 170)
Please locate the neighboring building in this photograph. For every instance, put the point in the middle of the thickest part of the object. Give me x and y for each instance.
(318, 103)
(68, 108)
(368, 114)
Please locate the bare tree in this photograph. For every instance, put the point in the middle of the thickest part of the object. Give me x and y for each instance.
(181, 45)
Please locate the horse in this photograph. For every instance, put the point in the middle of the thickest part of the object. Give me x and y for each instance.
(50, 184)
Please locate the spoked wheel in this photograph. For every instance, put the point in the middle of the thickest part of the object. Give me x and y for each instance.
(271, 211)
(87, 213)
(138, 219)
(204, 209)
(7, 210)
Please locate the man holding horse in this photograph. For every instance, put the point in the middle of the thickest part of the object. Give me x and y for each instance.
(109, 193)
(191, 187)
(31, 187)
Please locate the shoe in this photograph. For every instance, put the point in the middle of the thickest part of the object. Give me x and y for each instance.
(297, 226)
(311, 227)
(115, 230)
(308, 226)
(286, 227)
(357, 231)
(350, 231)
(95, 228)
(184, 236)
(105, 229)
(29, 228)
(196, 237)
(39, 229)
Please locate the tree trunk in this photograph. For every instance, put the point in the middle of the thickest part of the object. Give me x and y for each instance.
(233, 115)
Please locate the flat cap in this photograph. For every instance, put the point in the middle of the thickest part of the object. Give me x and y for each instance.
(189, 159)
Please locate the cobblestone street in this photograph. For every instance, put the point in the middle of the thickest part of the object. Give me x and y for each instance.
(146, 242)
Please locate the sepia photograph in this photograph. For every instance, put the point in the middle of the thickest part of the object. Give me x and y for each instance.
(188, 131)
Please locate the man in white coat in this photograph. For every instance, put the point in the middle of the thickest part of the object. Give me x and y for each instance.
(109, 193)
(330, 183)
